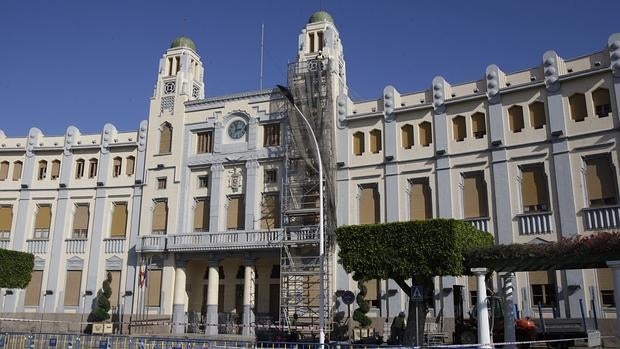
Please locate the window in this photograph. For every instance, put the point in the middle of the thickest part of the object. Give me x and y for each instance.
(72, 288)
(33, 291)
(358, 143)
(270, 211)
(372, 287)
(543, 288)
(478, 125)
(55, 169)
(577, 103)
(320, 40)
(201, 215)
(235, 219)
(375, 141)
(115, 285)
(204, 142)
(117, 168)
(534, 191)
(42, 222)
(119, 220)
(472, 286)
(420, 201)
(165, 138)
(271, 175)
(160, 217)
(311, 41)
(203, 181)
(17, 170)
(6, 220)
(271, 134)
(459, 133)
(606, 286)
(406, 134)
(81, 217)
(601, 181)
(538, 119)
(92, 168)
(153, 297)
(4, 170)
(79, 168)
(369, 204)
(474, 196)
(130, 166)
(602, 105)
(42, 170)
(515, 116)
(426, 134)
(161, 183)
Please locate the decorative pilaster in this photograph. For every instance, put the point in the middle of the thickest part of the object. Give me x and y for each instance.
(484, 331)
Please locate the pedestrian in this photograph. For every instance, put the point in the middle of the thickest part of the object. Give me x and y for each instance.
(398, 328)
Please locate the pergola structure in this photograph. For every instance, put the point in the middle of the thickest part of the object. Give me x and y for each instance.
(600, 250)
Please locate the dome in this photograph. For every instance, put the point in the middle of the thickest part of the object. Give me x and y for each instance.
(183, 41)
(321, 16)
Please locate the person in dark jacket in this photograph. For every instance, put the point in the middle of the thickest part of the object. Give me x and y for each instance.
(398, 328)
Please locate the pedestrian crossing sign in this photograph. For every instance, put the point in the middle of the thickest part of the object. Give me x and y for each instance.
(417, 293)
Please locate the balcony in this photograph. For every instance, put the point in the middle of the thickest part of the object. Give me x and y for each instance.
(535, 223)
(481, 223)
(5, 243)
(307, 233)
(114, 245)
(76, 246)
(229, 240)
(152, 243)
(36, 246)
(605, 217)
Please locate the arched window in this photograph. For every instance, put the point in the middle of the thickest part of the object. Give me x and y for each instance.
(358, 143)
(515, 115)
(426, 134)
(79, 168)
(375, 141)
(602, 105)
(578, 111)
(55, 169)
(92, 168)
(406, 133)
(459, 133)
(537, 115)
(42, 170)
(478, 125)
(17, 170)
(165, 138)
(130, 166)
(4, 170)
(117, 168)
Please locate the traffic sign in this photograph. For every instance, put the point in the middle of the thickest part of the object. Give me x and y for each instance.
(417, 293)
(348, 297)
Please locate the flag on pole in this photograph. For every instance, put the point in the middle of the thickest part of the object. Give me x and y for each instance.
(142, 276)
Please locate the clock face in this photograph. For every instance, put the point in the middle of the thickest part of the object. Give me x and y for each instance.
(236, 129)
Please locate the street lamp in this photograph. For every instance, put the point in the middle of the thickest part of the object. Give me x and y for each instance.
(46, 293)
(122, 310)
(287, 94)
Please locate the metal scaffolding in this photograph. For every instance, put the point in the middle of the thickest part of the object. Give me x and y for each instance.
(300, 263)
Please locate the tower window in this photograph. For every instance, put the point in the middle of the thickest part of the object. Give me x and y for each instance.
(311, 41)
(478, 125)
(271, 134)
(458, 128)
(204, 142)
(17, 170)
(4, 170)
(537, 115)
(131, 163)
(577, 103)
(55, 169)
(79, 168)
(602, 105)
(407, 136)
(358, 143)
(426, 134)
(165, 138)
(42, 170)
(118, 164)
(161, 182)
(271, 175)
(320, 40)
(92, 168)
(515, 115)
(203, 181)
(375, 141)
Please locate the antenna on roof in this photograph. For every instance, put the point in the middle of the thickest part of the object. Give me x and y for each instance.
(262, 41)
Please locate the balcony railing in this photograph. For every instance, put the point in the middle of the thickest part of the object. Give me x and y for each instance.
(305, 233)
(228, 240)
(5, 243)
(76, 246)
(152, 243)
(36, 246)
(114, 245)
(535, 223)
(481, 223)
(80, 234)
(605, 217)
(41, 233)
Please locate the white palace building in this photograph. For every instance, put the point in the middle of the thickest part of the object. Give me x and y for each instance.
(206, 214)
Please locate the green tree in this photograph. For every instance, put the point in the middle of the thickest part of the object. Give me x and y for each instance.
(16, 268)
(359, 314)
(101, 310)
(417, 250)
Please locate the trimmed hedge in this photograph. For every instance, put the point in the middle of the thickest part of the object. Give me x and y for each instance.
(16, 268)
(401, 250)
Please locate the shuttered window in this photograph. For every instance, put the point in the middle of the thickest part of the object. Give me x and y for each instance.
(72, 288)
(42, 170)
(577, 103)
(375, 141)
(543, 288)
(478, 125)
(154, 288)
(358, 143)
(474, 196)
(55, 169)
(515, 116)
(538, 118)
(92, 168)
(426, 134)
(406, 135)
(601, 181)
(42, 222)
(119, 220)
(160, 217)
(201, 215)
(271, 135)
(79, 168)
(373, 292)
(420, 200)
(118, 166)
(17, 170)
(130, 166)
(33, 290)
(4, 170)
(80, 221)
(606, 287)
(236, 213)
(602, 105)
(458, 128)
(369, 204)
(270, 211)
(204, 142)
(6, 220)
(534, 189)
(165, 139)
(115, 285)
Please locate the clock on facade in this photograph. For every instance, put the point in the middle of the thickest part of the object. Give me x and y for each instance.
(236, 129)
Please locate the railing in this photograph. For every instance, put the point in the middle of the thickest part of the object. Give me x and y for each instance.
(602, 217)
(305, 233)
(114, 245)
(481, 223)
(36, 246)
(535, 223)
(80, 234)
(76, 246)
(41, 233)
(5, 243)
(152, 243)
(229, 240)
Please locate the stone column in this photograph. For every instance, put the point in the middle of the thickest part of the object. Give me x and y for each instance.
(615, 267)
(509, 310)
(251, 189)
(178, 304)
(216, 190)
(248, 298)
(212, 296)
(484, 332)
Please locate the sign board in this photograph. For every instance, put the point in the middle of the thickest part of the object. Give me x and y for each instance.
(52, 342)
(348, 297)
(594, 339)
(417, 293)
(103, 344)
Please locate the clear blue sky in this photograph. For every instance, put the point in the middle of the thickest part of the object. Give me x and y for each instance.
(85, 63)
